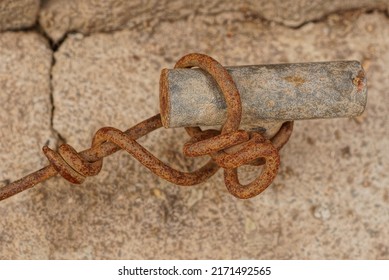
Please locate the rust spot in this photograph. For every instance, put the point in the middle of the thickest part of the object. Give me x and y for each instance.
(386, 196)
(271, 103)
(359, 80)
(346, 152)
(310, 141)
(296, 80)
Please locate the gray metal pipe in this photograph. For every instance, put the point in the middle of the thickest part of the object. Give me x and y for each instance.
(270, 94)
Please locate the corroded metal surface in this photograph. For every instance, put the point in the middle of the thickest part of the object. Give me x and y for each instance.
(251, 147)
(336, 89)
(228, 148)
(270, 94)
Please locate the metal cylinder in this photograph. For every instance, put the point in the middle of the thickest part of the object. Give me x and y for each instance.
(269, 94)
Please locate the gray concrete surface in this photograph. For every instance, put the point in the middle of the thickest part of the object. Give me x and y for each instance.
(329, 201)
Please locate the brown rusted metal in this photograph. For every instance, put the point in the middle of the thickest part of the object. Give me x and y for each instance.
(258, 147)
(229, 148)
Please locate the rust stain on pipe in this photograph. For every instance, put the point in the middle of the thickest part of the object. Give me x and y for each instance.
(360, 81)
(296, 80)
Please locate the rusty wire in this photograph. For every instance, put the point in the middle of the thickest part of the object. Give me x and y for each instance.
(229, 148)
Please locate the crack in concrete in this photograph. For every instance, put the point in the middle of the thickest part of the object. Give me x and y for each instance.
(60, 138)
(53, 46)
(340, 13)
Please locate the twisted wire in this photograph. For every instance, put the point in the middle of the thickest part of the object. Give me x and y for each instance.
(229, 148)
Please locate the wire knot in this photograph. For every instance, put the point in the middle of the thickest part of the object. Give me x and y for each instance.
(71, 165)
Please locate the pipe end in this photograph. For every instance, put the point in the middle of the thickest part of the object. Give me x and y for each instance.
(164, 101)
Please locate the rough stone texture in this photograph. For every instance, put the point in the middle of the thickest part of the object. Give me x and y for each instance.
(59, 17)
(25, 62)
(16, 14)
(330, 199)
(295, 13)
